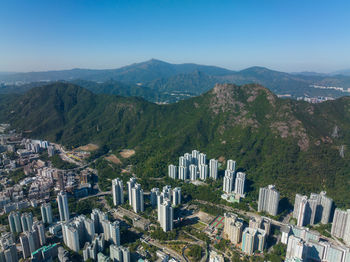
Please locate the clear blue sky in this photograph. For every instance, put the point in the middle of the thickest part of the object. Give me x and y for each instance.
(287, 35)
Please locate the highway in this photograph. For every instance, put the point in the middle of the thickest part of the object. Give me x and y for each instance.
(96, 195)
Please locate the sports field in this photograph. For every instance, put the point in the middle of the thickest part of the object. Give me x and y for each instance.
(218, 222)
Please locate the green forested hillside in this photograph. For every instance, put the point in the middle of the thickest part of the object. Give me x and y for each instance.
(292, 144)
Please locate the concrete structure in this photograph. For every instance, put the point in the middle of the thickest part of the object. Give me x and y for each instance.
(326, 209)
(27, 221)
(25, 246)
(183, 161)
(240, 184)
(46, 213)
(285, 230)
(166, 218)
(40, 229)
(70, 236)
(119, 253)
(45, 253)
(153, 197)
(233, 228)
(252, 240)
(188, 158)
(213, 169)
(81, 229)
(215, 257)
(102, 258)
(176, 196)
(51, 151)
(340, 222)
(248, 240)
(131, 183)
(97, 216)
(137, 201)
(295, 248)
(172, 172)
(117, 192)
(195, 156)
(114, 229)
(62, 201)
(9, 253)
(203, 171)
(301, 249)
(183, 172)
(91, 250)
(193, 172)
(269, 199)
(228, 181)
(231, 165)
(15, 222)
(317, 209)
(202, 159)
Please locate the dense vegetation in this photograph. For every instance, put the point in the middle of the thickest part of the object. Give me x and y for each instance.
(57, 162)
(292, 144)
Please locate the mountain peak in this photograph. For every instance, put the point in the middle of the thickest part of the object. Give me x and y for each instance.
(257, 69)
(154, 60)
(231, 97)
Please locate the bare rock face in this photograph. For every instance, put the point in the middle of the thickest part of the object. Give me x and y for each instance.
(242, 103)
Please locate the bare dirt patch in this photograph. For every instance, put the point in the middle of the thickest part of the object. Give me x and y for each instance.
(114, 159)
(203, 217)
(222, 159)
(126, 153)
(88, 147)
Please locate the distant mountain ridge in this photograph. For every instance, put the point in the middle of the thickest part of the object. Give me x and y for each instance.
(159, 79)
(345, 72)
(138, 72)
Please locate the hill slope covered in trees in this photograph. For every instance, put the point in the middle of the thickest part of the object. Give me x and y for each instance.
(292, 144)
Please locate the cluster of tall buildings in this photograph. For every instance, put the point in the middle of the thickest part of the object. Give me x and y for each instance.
(164, 201)
(135, 193)
(313, 210)
(341, 225)
(32, 239)
(45, 253)
(194, 166)
(304, 245)
(36, 145)
(32, 235)
(252, 240)
(119, 253)
(234, 182)
(77, 231)
(269, 199)
(20, 222)
(252, 237)
(8, 250)
(90, 233)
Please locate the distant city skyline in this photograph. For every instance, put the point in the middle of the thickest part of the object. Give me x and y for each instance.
(291, 37)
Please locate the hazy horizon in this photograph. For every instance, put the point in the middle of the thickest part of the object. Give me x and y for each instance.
(113, 68)
(296, 36)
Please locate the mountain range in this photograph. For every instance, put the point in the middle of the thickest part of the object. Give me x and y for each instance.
(296, 145)
(159, 81)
